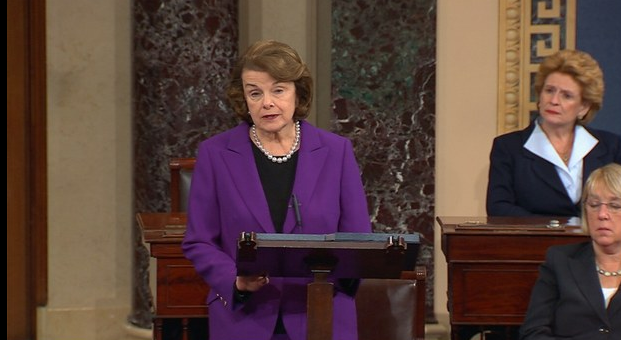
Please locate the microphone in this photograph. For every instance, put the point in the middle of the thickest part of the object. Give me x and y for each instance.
(296, 211)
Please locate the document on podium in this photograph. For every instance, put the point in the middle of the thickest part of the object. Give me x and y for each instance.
(342, 255)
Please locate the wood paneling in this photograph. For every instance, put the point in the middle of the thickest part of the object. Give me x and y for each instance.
(26, 167)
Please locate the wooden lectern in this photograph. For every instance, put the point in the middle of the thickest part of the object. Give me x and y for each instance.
(340, 255)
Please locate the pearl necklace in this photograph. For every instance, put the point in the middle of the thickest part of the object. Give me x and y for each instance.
(271, 157)
(607, 273)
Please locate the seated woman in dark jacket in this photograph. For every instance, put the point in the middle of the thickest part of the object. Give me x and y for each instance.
(540, 170)
(577, 293)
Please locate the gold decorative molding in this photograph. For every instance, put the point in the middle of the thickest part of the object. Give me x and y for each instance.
(528, 31)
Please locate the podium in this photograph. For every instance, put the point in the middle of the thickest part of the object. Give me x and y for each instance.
(325, 256)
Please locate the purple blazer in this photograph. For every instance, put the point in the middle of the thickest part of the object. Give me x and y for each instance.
(226, 198)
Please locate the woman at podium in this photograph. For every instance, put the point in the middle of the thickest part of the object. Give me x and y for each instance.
(273, 173)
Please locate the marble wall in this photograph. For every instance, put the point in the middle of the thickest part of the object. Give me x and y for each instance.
(183, 53)
(383, 98)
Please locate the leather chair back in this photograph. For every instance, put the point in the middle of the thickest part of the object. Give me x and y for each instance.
(180, 180)
(392, 309)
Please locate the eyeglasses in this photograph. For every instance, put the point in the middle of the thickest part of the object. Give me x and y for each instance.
(613, 207)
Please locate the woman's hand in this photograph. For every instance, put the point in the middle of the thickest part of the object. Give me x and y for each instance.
(251, 283)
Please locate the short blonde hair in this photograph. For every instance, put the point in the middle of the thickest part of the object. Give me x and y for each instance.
(609, 177)
(583, 69)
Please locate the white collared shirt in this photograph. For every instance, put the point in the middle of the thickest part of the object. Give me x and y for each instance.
(570, 173)
(608, 293)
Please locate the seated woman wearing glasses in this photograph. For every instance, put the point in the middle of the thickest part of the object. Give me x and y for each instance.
(577, 293)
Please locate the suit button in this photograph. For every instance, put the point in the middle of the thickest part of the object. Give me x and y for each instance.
(604, 330)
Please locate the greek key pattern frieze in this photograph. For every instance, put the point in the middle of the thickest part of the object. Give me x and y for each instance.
(528, 32)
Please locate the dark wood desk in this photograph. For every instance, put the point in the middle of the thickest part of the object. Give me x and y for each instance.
(180, 293)
(492, 266)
